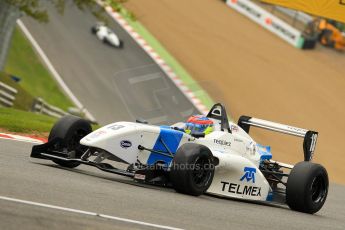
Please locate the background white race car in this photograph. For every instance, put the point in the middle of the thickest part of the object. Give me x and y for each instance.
(106, 35)
(226, 162)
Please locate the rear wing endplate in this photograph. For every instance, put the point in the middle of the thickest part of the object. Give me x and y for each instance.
(310, 137)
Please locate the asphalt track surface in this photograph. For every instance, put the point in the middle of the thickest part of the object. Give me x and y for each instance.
(113, 84)
(91, 190)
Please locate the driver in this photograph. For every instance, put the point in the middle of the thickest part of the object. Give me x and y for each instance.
(199, 124)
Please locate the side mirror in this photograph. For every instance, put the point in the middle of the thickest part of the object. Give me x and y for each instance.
(197, 134)
(142, 121)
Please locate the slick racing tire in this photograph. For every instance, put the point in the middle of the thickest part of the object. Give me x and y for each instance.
(105, 41)
(192, 169)
(307, 187)
(121, 45)
(93, 29)
(70, 130)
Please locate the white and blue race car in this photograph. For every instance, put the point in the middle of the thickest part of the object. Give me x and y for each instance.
(106, 35)
(225, 161)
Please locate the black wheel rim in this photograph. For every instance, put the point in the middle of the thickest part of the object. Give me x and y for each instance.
(318, 189)
(202, 171)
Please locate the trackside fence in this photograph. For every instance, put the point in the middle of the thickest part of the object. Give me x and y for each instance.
(7, 95)
(42, 107)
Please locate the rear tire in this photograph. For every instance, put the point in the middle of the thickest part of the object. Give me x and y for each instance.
(121, 45)
(307, 187)
(192, 169)
(70, 129)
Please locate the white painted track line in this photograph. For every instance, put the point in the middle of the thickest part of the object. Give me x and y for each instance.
(27, 141)
(53, 71)
(87, 213)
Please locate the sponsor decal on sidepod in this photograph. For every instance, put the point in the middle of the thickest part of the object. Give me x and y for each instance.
(249, 175)
(125, 144)
(222, 142)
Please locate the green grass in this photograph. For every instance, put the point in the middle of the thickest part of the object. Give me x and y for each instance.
(23, 62)
(18, 121)
(36, 81)
(24, 100)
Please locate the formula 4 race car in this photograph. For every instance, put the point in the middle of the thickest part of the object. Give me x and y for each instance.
(106, 35)
(226, 162)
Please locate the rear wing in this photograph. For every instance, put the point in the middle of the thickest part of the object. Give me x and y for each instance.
(310, 137)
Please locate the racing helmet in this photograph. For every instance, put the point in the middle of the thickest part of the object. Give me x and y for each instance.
(199, 124)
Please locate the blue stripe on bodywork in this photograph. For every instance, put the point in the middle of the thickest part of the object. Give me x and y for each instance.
(265, 152)
(269, 196)
(171, 138)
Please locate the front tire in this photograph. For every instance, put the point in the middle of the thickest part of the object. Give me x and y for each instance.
(192, 169)
(70, 130)
(307, 187)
